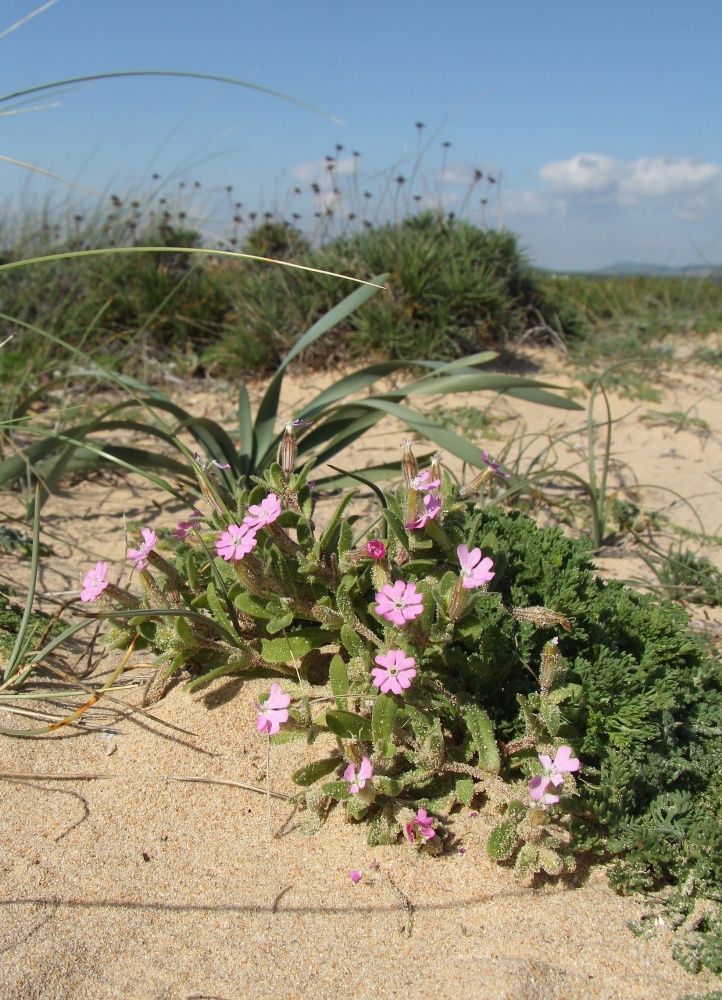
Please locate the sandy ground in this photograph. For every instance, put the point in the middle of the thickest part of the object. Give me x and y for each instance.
(128, 884)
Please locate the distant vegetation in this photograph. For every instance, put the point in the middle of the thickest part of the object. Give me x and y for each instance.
(454, 288)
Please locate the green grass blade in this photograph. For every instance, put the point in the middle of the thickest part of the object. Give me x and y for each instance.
(268, 408)
(129, 74)
(245, 429)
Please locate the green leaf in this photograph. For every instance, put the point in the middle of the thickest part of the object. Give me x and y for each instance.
(281, 622)
(481, 730)
(252, 606)
(311, 773)
(388, 786)
(383, 716)
(348, 725)
(292, 648)
(336, 789)
(338, 679)
(351, 641)
(465, 791)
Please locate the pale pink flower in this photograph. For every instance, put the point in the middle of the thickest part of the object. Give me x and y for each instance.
(432, 506)
(355, 876)
(235, 542)
(95, 582)
(395, 672)
(554, 771)
(357, 781)
(562, 764)
(184, 528)
(375, 549)
(420, 828)
(538, 791)
(139, 557)
(260, 514)
(475, 571)
(273, 712)
(423, 482)
(399, 602)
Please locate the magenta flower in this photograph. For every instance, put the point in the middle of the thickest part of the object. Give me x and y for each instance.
(358, 781)
(399, 603)
(562, 764)
(475, 571)
(184, 528)
(375, 549)
(538, 791)
(420, 828)
(355, 876)
(494, 466)
(432, 506)
(423, 482)
(395, 672)
(95, 582)
(235, 542)
(260, 514)
(139, 557)
(273, 712)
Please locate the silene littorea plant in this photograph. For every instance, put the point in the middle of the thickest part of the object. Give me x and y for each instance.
(454, 655)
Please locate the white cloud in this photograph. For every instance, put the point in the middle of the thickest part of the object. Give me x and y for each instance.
(584, 173)
(629, 182)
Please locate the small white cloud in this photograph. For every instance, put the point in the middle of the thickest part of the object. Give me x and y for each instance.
(584, 173)
(626, 182)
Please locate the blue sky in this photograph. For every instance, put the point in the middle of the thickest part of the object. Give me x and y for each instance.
(600, 122)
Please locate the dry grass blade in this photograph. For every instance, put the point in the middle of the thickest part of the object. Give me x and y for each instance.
(233, 784)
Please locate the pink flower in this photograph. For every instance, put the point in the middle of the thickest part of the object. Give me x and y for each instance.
(235, 542)
(139, 557)
(554, 771)
(358, 781)
(395, 673)
(375, 549)
(355, 876)
(273, 712)
(474, 573)
(423, 482)
(494, 466)
(399, 603)
(432, 506)
(538, 791)
(263, 513)
(420, 828)
(562, 764)
(95, 582)
(184, 528)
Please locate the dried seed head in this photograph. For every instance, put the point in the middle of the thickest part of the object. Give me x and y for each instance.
(435, 466)
(549, 662)
(409, 465)
(287, 451)
(542, 617)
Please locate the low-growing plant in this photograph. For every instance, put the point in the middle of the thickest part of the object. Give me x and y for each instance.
(458, 656)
